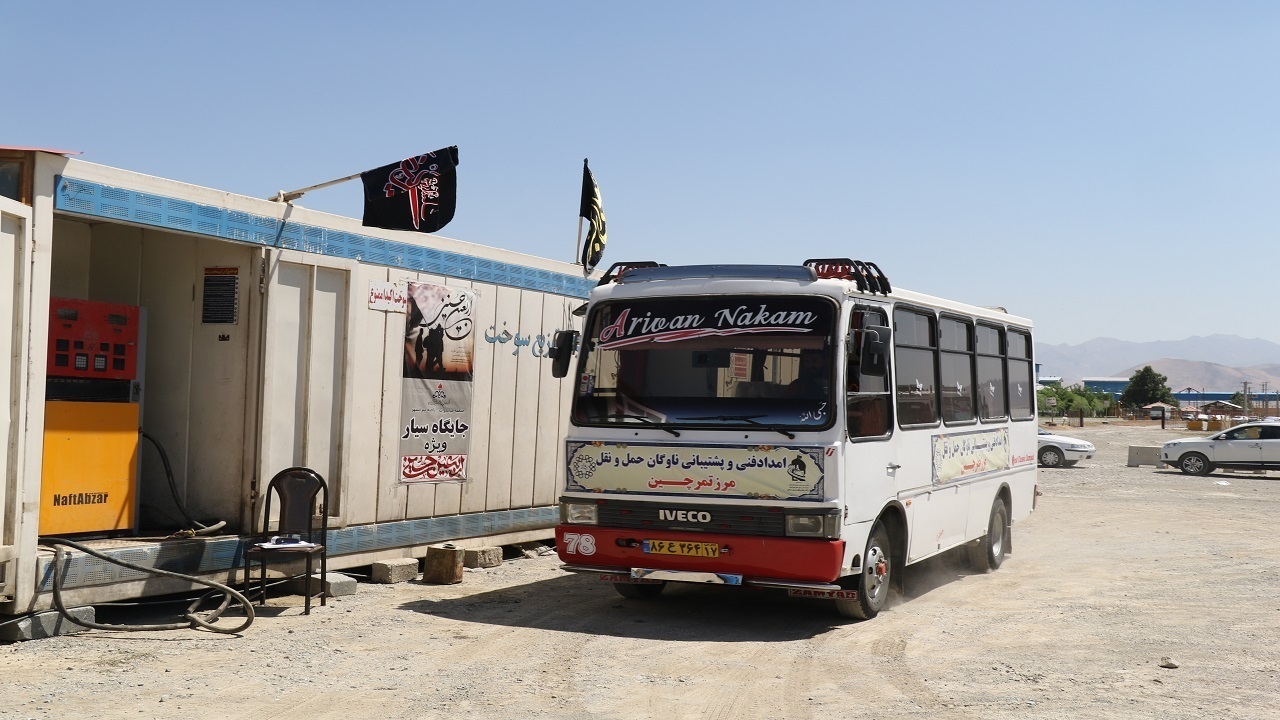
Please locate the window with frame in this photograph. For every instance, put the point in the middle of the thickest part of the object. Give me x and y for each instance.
(991, 377)
(868, 404)
(15, 175)
(1021, 386)
(956, 371)
(915, 367)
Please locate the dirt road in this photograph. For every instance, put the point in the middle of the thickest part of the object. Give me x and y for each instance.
(1118, 568)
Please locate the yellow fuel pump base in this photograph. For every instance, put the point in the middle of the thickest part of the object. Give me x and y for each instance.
(90, 478)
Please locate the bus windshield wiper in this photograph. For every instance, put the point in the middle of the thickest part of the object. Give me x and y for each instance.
(644, 420)
(751, 419)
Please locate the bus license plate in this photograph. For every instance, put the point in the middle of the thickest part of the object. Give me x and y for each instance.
(680, 547)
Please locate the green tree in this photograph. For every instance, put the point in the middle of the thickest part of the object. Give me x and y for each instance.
(1078, 403)
(1042, 401)
(1145, 387)
(1237, 399)
(1074, 399)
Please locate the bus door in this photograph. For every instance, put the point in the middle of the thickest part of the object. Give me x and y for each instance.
(871, 459)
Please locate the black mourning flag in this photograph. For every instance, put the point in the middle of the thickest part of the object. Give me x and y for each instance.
(417, 193)
(593, 210)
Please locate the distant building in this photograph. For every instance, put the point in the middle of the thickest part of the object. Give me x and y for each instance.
(1221, 407)
(1112, 385)
(1050, 381)
(1196, 398)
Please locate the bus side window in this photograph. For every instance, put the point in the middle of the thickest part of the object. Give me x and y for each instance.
(866, 396)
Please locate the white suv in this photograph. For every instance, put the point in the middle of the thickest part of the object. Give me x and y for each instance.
(1252, 446)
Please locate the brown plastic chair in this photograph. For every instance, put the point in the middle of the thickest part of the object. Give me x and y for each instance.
(297, 488)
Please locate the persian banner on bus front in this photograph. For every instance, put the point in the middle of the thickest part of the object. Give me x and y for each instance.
(764, 472)
(962, 455)
(436, 384)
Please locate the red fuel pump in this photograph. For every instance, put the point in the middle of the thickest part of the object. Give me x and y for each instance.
(92, 414)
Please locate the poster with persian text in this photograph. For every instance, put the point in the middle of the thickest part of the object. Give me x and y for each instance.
(436, 384)
(958, 456)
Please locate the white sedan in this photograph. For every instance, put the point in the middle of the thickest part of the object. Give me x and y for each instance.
(1061, 451)
(1252, 446)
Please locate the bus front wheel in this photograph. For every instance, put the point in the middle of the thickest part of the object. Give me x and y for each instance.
(987, 553)
(872, 584)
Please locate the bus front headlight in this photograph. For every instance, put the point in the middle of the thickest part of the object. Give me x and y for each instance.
(826, 525)
(578, 513)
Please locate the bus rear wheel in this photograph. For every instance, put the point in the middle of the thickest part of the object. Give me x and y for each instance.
(872, 584)
(639, 591)
(987, 553)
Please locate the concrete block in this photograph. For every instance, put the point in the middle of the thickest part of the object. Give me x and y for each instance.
(1144, 455)
(396, 570)
(45, 624)
(442, 565)
(335, 585)
(484, 557)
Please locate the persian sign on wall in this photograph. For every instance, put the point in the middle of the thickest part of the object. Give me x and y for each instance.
(436, 384)
(391, 297)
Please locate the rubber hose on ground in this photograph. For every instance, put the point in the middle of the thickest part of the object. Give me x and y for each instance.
(193, 620)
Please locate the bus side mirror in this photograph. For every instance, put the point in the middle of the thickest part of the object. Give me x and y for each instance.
(875, 349)
(562, 352)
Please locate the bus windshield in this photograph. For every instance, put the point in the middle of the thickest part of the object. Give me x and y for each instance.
(742, 361)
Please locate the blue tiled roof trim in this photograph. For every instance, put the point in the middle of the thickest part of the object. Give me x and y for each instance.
(85, 197)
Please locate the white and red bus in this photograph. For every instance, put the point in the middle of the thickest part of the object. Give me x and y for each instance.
(801, 427)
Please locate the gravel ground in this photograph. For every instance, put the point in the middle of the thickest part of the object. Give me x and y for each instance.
(1119, 568)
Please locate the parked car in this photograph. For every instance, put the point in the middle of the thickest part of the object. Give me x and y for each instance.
(1061, 451)
(1252, 446)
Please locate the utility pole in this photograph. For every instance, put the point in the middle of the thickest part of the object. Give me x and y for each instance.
(1246, 397)
(1266, 401)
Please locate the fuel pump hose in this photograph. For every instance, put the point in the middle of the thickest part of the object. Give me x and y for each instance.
(193, 617)
(197, 528)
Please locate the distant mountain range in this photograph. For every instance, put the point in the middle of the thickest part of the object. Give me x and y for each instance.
(1200, 375)
(1216, 362)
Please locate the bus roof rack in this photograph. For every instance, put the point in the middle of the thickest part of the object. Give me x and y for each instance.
(615, 270)
(866, 274)
(720, 272)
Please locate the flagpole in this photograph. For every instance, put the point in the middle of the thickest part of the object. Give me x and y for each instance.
(577, 246)
(292, 195)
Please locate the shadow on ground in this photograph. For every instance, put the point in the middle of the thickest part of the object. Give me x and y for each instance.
(583, 604)
(1238, 475)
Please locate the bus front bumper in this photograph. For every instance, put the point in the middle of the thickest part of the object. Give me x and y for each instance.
(628, 555)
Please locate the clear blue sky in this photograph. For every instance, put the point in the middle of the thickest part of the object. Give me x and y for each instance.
(1074, 162)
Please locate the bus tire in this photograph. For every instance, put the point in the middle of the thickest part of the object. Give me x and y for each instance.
(873, 583)
(639, 591)
(987, 553)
